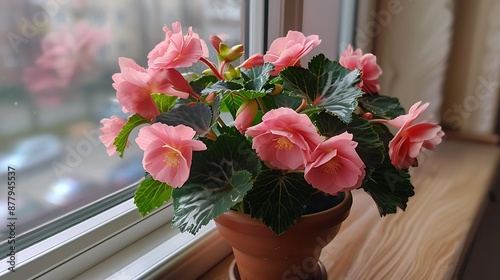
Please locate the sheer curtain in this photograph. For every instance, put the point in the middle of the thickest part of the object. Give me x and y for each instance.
(472, 82)
(446, 52)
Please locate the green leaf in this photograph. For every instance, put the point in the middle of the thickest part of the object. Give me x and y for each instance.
(224, 86)
(257, 77)
(370, 147)
(197, 116)
(326, 85)
(122, 138)
(230, 152)
(196, 204)
(328, 125)
(202, 83)
(234, 94)
(233, 99)
(164, 102)
(219, 179)
(383, 133)
(151, 194)
(216, 108)
(281, 100)
(279, 199)
(383, 106)
(389, 187)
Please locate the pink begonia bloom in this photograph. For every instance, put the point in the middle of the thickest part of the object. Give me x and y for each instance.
(168, 151)
(110, 130)
(177, 50)
(134, 86)
(370, 71)
(287, 51)
(245, 115)
(412, 139)
(335, 166)
(284, 138)
(254, 60)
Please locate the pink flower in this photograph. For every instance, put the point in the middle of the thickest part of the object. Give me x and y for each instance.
(134, 86)
(412, 139)
(254, 60)
(65, 55)
(370, 71)
(168, 152)
(287, 51)
(177, 50)
(110, 130)
(245, 115)
(335, 166)
(284, 138)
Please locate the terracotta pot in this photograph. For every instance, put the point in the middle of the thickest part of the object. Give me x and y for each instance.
(261, 254)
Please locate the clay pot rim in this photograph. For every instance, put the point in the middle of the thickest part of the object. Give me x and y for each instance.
(338, 212)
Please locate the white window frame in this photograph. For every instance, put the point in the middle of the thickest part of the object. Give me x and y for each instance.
(121, 244)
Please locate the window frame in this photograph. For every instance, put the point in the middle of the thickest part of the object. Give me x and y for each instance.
(51, 254)
(120, 236)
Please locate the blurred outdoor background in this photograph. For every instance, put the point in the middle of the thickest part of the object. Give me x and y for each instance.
(57, 58)
(56, 63)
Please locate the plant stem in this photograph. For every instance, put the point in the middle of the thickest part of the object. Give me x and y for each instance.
(222, 66)
(239, 207)
(302, 106)
(261, 105)
(194, 95)
(212, 67)
(378, 121)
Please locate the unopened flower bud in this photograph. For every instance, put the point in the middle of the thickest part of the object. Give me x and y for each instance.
(208, 72)
(368, 116)
(245, 115)
(223, 50)
(210, 98)
(231, 72)
(234, 53)
(215, 41)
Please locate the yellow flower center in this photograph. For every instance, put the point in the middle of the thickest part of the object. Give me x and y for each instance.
(284, 144)
(171, 159)
(332, 166)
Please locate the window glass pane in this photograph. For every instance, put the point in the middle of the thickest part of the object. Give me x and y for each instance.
(56, 62)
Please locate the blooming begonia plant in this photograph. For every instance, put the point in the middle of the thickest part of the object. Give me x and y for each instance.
(288, 132)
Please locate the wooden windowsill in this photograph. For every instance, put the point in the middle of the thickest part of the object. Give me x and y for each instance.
(429, 239)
